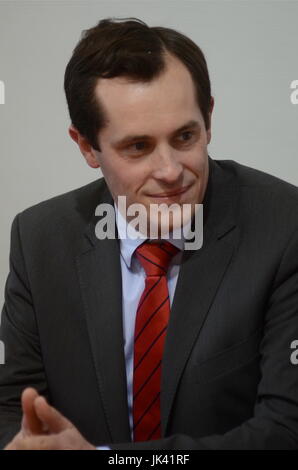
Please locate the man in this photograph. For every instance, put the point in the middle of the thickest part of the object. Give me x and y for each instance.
(140, 105)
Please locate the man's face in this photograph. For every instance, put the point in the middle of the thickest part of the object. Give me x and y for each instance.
(154, 147)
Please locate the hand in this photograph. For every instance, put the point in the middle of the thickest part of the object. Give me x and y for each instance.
(31, 424)
(44, 428)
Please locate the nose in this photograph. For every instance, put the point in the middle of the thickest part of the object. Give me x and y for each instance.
(167, 166)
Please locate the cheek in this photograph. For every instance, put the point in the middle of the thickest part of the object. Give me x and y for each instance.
(124, 181)
(133, 175)
(195, 162)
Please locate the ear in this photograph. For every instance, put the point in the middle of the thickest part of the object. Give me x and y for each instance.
(86, 149)
(210, 113)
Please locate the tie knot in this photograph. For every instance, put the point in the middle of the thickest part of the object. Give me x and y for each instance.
(155, 257)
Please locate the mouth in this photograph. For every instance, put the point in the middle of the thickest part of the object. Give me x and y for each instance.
(171, 194)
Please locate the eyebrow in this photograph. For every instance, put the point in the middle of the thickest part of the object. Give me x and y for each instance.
(192, 124)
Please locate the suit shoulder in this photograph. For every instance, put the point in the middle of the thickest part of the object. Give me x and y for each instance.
(257, 181)
(264, 202)
(65, 215)
(62, 205)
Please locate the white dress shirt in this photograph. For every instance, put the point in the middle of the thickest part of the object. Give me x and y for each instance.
(133, 283)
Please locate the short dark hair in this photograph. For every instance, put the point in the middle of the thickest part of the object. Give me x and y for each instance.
(126, 47)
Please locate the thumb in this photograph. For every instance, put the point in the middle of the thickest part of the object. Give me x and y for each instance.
(30, 422)
(25, 428)
(51, 418)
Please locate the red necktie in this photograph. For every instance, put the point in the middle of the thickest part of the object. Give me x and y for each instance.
(150, 331)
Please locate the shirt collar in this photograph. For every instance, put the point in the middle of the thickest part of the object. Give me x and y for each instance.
(129, 245)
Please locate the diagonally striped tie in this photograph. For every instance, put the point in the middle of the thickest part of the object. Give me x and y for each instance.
(150, 331)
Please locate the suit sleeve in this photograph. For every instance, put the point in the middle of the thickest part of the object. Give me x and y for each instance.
(274, 424)
(23, 364)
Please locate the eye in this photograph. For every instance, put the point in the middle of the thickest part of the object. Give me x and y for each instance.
(138, 146)
(186, 136)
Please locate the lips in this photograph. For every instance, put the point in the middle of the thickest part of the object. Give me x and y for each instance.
(176, 192)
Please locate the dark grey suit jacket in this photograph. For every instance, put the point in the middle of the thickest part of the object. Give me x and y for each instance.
(227, 378)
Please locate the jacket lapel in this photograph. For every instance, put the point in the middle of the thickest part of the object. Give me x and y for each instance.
(100, 279)
(200, 276)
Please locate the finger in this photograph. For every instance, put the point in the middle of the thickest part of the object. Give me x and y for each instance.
(51, 442)
(12, 444)
(51, 417)
(24, 426)
(26, 430)
(30, 422)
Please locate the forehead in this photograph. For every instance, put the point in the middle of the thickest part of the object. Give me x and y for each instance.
(166, 101)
